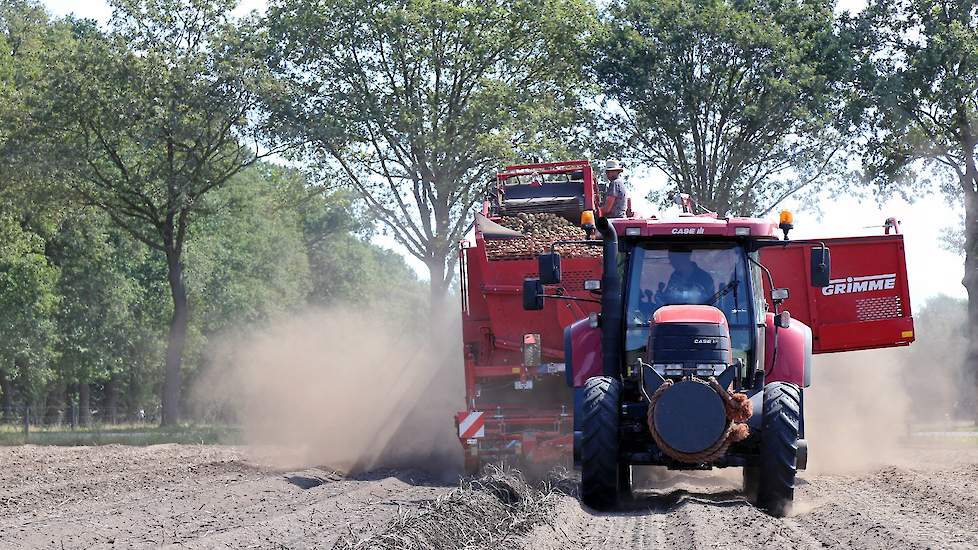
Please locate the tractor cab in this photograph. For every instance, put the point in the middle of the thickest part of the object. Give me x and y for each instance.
(710, 273)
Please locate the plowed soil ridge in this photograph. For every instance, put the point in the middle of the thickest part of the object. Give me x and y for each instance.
(929, 501)
(175, 496)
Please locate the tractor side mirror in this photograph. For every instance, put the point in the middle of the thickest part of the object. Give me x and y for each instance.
(549, 268)
(821, 267)
(532, 294)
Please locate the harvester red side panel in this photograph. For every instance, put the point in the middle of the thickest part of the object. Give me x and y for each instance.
(518, 405)
(867, 304)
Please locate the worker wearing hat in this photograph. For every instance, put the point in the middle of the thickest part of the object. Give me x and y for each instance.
(614, 199)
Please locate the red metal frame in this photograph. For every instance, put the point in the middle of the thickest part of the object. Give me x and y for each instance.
(591, 196)
(536, 428)
(860, 317)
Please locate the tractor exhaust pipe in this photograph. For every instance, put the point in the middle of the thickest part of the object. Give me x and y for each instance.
(611, 309)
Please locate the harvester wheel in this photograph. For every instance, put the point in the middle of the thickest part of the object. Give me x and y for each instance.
(779, 447)
(599, 443)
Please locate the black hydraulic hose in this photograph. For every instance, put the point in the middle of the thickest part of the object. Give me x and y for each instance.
(611, 301)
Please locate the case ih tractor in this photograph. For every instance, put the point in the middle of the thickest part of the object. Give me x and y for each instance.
(693, 360)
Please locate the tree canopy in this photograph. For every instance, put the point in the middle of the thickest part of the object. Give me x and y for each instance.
(415, 103)
(738, 103)
(920, 90)
(179, 173)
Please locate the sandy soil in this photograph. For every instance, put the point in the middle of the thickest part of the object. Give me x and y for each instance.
(929, 501)
(176, 496)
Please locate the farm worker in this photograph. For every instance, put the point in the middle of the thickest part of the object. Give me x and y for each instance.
(614, 198)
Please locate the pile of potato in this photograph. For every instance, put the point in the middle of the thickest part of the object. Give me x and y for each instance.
(541, 231)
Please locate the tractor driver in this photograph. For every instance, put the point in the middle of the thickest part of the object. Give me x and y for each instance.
(614, 199)
(688, 284)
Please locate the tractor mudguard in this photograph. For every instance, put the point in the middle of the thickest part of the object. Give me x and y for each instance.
(793, 360)
(582, 352)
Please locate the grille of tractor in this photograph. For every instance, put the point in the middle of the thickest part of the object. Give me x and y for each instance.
(689, 343)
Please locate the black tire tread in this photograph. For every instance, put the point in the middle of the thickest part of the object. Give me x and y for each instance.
(599, 442)
(779, 447)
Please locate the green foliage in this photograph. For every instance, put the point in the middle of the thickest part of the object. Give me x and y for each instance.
(151, 117)
(95, 317)
(920, 89)
(156, 112)
(26, 37)
(247, 260)
(414, 103)
(28, 300)
(739, 103)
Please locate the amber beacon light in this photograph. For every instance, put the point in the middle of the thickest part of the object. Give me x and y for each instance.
(786, 222)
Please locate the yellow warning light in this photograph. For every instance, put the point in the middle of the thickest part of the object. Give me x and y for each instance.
(787, 218)
(587, 218)
(906, 334)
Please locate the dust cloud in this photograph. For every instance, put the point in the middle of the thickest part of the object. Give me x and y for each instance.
(864, 407)
(857, 411)
(345, 388)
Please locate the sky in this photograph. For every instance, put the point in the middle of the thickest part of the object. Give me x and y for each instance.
(932, 270)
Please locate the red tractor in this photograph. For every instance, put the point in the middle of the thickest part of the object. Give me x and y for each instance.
(693, 361)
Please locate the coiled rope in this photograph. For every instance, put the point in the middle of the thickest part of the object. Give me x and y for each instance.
(738, 408)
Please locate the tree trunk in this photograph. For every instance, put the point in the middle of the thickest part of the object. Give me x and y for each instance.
(132, 396)
(7, 397)
(970, 281)
(438, 292)
(84, 404)
(177, 339)
(70, 418)
(26, 390)
(110, 402)
(55, 402)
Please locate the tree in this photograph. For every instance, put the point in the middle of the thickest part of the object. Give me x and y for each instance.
(920, 78)
(154, 116)
(249, 259)
(415, 103)
(26, 36)
(739, 103)
(28, 299)
(95, 320)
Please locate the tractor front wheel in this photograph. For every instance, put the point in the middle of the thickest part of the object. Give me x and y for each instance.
(779, 448)
(751, 475)
(600, 471)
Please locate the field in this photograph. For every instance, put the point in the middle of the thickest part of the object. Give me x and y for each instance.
(208, 496)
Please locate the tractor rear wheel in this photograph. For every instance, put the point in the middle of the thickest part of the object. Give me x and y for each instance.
(600, 481)
(779, 447)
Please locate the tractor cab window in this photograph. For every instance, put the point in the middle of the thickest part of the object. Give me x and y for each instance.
(710, 274)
